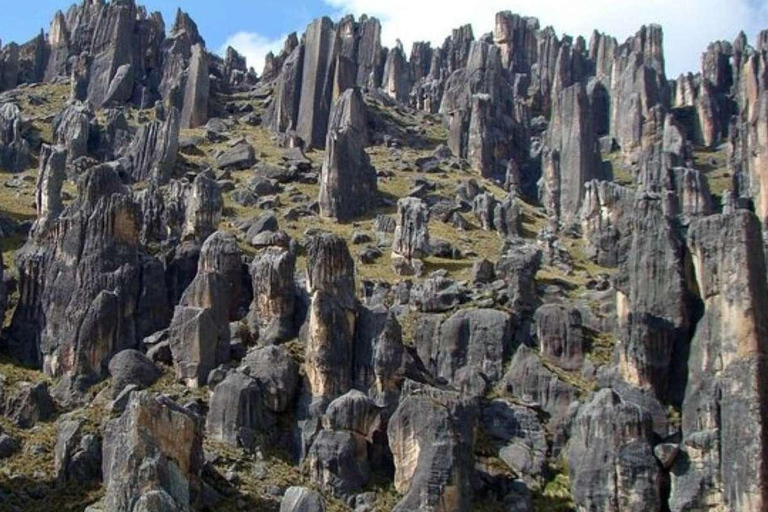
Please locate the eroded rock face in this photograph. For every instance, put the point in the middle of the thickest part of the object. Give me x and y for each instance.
(237, 414)
(561, 335)
(277, 373)
(571, 158)
(430, 435)
(605, 219)
(271, 315)
(195, 110)
(612, 465)
(320, 51)
(199, 333)
(348, 186)
(154, 149)
(411, 241)
(721, 459)
(203, 208)
(71, 130)
(14, 150)
(332, 317)
(81, 279)
(478, 340)
(654, 305)
(154, 447)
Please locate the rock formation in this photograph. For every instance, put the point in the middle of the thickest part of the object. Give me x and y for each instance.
(348, 182)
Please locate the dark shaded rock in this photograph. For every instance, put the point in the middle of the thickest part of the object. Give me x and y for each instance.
(154, 150)
(237, 414)
(29, 404)
(522, 436)
(132, 367)
(478, 338)
(561, 335)
(14, 150)
(338, 462)
(241, 156)
(348, 182)
(277, 374)
(77, 455)
(320, 50)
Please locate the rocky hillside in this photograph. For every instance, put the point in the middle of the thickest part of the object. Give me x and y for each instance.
(520, 272)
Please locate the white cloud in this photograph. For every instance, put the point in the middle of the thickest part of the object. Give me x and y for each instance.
(689, 25)
(253, 46)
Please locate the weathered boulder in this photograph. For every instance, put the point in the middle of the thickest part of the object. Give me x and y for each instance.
(199, 334)
(301, 499)
(277, 374)
(238, 157)
(203, 208)
(480, 339)
(411, 241)
(348, 185)
(521, 435)
(77, 454)
(430, 435)
(237, 414)
(518, 266)
(29, 404)
(132, 367)
(154, 447)
(338, 462)
(71, 128)
(528, 379)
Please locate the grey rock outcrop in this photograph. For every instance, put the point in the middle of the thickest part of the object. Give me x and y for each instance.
(612, 464)
(154, 448)
(237, 414)
(430, 435)
(348, 187)
(411, 241)
(154, 150)
(721, 459)
(14, 150)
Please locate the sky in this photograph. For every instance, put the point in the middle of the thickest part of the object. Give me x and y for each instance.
(255, 27)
